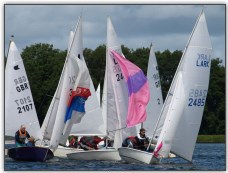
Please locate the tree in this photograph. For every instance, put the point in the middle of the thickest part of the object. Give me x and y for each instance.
(44, 65)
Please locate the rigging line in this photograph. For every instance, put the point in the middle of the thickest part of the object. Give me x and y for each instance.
(44, 98)
(117, 129)
(11, 40)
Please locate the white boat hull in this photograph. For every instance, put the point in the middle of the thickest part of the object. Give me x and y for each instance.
(63, 151)
(132, 155)
(102, 154)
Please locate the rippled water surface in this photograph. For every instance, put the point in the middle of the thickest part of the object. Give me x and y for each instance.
(206, 157)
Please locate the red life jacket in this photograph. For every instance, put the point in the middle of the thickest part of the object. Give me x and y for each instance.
(91, 141)
(22, 135)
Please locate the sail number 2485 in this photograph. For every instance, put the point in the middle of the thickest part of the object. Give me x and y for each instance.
(197, 97)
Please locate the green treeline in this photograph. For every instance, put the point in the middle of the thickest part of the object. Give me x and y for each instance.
(44, 63)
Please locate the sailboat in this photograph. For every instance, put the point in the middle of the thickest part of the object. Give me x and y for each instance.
(48, 123)
(114, 104)
(20, 108)
(153, 109)
(184, 104)
(54, 123)
(92, 122)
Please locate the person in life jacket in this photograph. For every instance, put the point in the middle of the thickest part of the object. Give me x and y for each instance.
(142, 141)
(20, 136)
(73, 141)
(89, 142)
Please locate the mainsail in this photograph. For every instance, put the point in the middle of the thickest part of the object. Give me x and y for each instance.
(75, 69)
(155, 104)
(115, 95)
(70, 73)
(19, 105)
(49, 121)
(186, 98)
(92, 122)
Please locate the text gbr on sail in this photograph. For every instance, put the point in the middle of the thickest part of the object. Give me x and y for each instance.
(21, 83)
(203, 60)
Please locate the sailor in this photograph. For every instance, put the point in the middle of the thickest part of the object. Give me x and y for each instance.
(89, 142)
(73, 141)
(20, 136)
(142, 141)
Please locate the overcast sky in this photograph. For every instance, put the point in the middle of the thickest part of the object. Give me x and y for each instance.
(166, 26)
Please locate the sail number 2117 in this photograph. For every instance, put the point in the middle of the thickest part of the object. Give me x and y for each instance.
(197, 97)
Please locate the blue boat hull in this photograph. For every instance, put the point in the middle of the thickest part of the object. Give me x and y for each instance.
(32, 154)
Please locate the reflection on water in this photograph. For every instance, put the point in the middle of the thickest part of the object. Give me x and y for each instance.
(206, 157)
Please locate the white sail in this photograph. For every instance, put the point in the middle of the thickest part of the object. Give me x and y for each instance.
(156, 101)
(190, 86)
(115, 93)
(98, 93)
(92, 122)
(71, 37)
(49, 121)
(70, 73)
(19, 105)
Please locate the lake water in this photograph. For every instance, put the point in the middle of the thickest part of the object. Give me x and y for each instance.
(207, 157)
